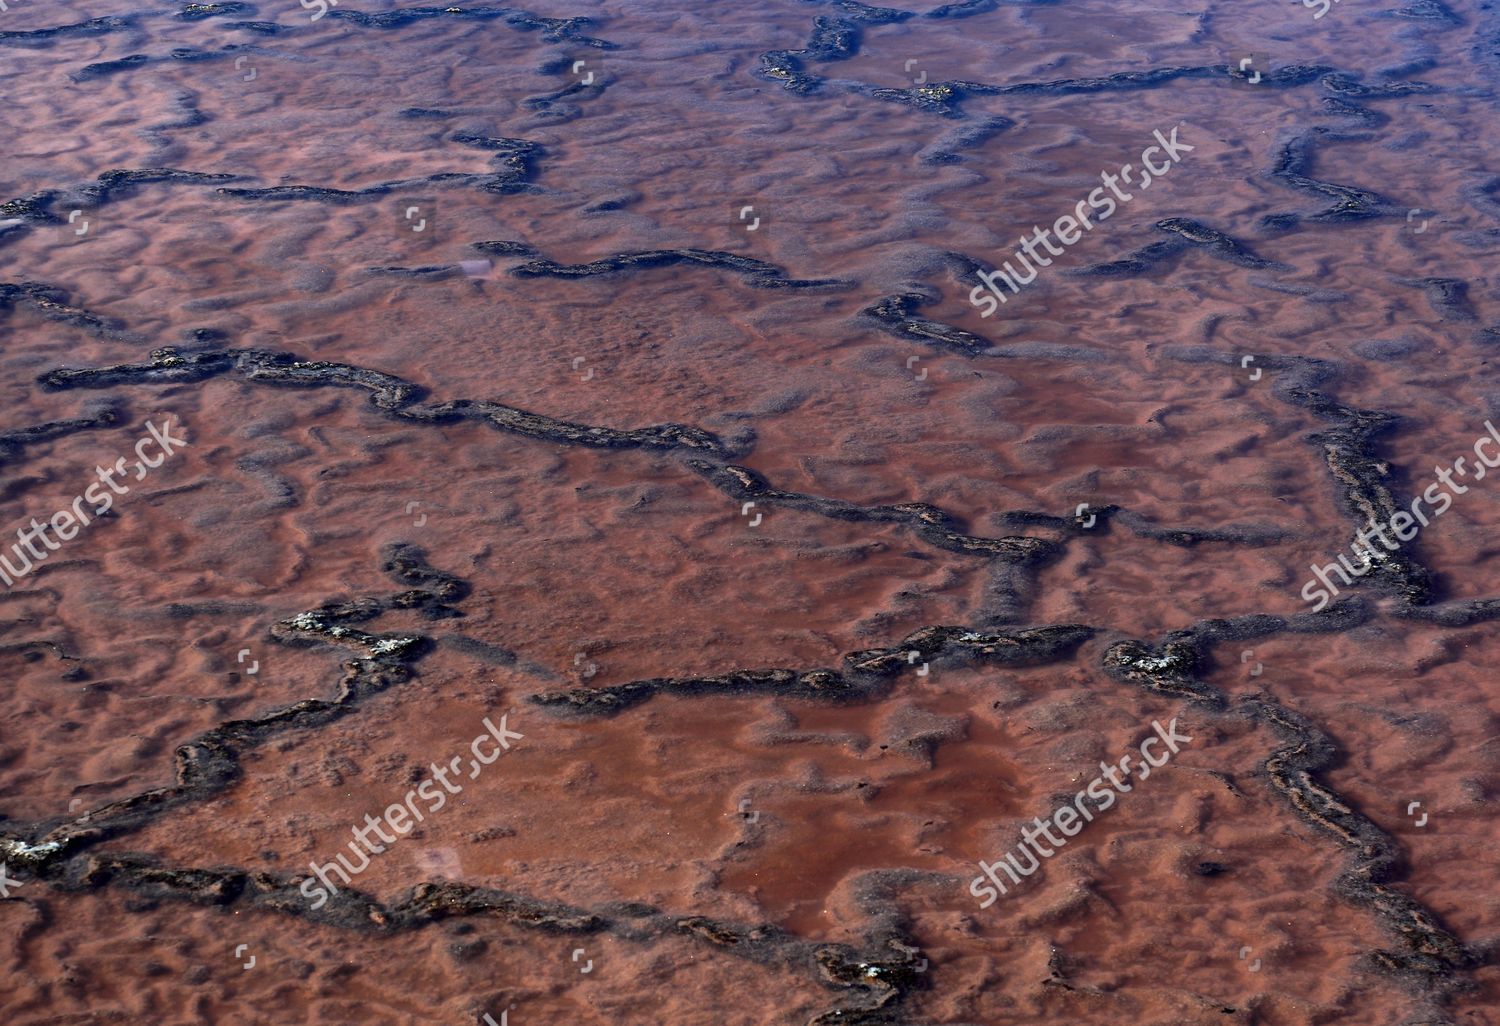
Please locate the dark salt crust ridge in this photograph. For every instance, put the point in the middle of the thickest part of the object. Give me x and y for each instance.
(1449, 297)
(14, 443)
(51, 302)
(554, 30)
(92, 27)
(1189, 235)
(897, 317)
(390, 394)
(107, 188)
(183, 54)
(197, 12)
(933, 525)
(1293, 167)
(757, 273)
(866, 674)
(209, 763)
(1351, 452)
(514, 160)
(1167, 670)
(1431, 956)
(402, 400)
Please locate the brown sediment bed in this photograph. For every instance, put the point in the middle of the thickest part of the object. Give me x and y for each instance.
(865, 674)
(758, 273)
(876, 976)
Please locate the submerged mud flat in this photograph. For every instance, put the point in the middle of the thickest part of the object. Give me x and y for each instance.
(616, 372)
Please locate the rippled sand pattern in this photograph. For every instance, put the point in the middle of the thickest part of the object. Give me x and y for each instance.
(609, 373)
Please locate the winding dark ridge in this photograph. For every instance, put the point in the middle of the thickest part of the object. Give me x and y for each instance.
(758, 273)
(92, 27)
(874, 978)
(390, 394)
(897, 316)
(514, 160)
(1430, 955)
(50, 302)
(702, 452)
(865, 674)
(1187, 235)
(554, 30)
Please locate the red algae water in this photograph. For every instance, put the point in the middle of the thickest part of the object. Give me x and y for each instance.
(793, 513)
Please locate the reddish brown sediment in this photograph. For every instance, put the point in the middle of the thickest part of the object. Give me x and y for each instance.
(807, 586)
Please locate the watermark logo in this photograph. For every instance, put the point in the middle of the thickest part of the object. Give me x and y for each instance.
(1405, 526)
(67, 522)
(320, 6)
(1066, 818)
(79, 222)
(7, 881)
(399, 815)
(418, 216)
(1067, 227)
